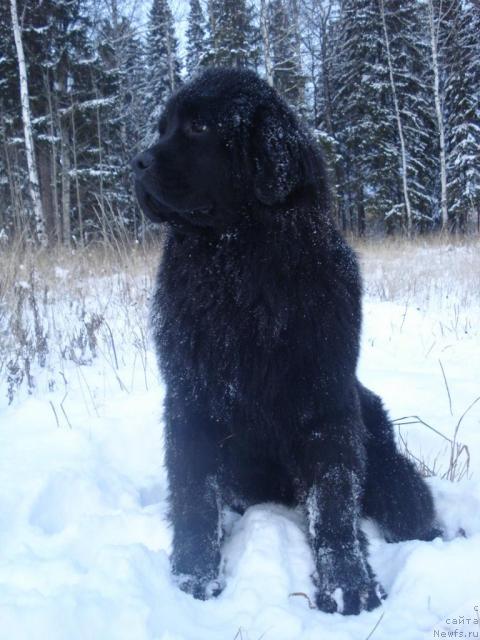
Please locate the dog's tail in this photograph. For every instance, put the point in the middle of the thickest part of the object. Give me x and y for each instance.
(395, 495)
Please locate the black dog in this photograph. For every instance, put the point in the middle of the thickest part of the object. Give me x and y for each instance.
(257, 321)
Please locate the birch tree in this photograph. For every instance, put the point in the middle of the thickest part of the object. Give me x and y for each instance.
(435, 17)
(34, 187)
(288, 76)
(266, 44)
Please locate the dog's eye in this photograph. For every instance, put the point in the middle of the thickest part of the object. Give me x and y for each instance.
(196, 128)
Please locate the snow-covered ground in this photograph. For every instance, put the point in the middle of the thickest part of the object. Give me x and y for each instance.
(83, 539)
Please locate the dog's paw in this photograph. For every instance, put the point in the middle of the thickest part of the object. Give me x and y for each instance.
(199, 588)
(350, 600)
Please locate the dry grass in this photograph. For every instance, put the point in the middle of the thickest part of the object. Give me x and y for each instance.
(458, 463)
(72, 306)
(68, 308)
(421, 270)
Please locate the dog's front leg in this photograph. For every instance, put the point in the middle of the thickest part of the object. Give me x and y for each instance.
(345, 582)
(194, 504)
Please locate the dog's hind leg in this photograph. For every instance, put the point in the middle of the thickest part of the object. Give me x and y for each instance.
(332, 464)
(395, 495)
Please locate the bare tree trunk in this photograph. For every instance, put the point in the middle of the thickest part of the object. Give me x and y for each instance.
(101, 198)
(267, 54)
(361, 217)
(434, 32)
(16, 207)
(77, 183)
(171, 64)
(295, 14)
(27, 128)
(66, 199)
(44, 165)
(20, 208)
(406, 195)
(53, 144)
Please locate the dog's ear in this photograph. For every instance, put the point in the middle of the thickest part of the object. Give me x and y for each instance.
(275, 154)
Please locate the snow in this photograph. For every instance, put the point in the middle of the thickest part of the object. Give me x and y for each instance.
(83, 495)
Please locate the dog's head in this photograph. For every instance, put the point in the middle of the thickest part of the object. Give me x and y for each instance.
(227, 146)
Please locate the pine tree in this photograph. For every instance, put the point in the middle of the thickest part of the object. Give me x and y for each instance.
(57, 72)
(233, 37)
(461, 62)
(363, 119)
(383, 114)
(120, 82)
(196, 38)
(411, 82)
(413, 77)
(87, 107)
(163, 62)
(12, 175)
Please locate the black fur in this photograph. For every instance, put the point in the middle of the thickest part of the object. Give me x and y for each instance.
(257, 322)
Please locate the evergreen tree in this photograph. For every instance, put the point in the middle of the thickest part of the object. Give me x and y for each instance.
(119, 84)
(163, 62)
(56, 41)
(233, 37)
(196, 38)
(405, 23)
(12, 174)
(461, 62)
(363, 118)
(380, 112)
(383, 114)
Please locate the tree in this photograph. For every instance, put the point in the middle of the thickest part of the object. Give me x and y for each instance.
(319, 53)
(362, 118)
(382, 114)
(121, 119)
(412, 75)
(398, 117)
(284, 45)
(266, 40)
(233, 38)
(436, 16)
(11, 166)
(163, 61)
(33, 181)
(61, 85)
(461, 64)
(196, 38)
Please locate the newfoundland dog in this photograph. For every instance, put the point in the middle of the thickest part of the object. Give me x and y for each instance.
(257, 319)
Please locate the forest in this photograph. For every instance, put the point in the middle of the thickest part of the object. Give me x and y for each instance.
(391, 91)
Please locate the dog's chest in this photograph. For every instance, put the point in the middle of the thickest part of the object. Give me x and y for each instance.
(241, 329)
(220, 317)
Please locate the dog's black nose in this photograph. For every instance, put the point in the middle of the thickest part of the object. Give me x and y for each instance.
(141, 162)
